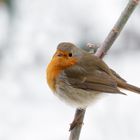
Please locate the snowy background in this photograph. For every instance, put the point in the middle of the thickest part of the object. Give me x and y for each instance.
(29, 33)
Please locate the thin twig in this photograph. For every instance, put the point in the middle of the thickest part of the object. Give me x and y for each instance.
(93, 47)
(75, 132)
(112, 36)
(105, 46)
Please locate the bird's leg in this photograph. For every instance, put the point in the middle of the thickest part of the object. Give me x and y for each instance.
(77, 119)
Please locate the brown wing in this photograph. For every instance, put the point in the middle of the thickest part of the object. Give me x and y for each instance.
(117, 75)
(96, 80)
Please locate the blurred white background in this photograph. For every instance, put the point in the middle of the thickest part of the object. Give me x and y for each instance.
(29, 34)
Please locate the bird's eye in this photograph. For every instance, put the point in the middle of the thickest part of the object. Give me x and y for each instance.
(70, 54)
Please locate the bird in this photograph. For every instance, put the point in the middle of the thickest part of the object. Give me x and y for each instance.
(79, 78)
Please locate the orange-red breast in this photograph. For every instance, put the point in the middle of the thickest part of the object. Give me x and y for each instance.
(78, 78)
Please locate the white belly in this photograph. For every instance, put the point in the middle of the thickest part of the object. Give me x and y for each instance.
(76, 97)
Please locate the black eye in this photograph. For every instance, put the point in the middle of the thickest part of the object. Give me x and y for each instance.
(70, 54)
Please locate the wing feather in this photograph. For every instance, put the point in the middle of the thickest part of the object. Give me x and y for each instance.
(96, 80)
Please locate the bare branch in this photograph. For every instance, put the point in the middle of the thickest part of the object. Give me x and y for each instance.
(93, 47)
(75, 132)
(112, 36)
(105, 46)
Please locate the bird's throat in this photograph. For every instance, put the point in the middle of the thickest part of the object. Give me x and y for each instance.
(52, 73)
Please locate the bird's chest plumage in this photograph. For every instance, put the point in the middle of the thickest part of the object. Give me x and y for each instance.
(74, 96)
(52, 74)
(55, 68)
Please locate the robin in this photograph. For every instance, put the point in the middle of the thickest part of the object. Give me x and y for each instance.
(79, 78)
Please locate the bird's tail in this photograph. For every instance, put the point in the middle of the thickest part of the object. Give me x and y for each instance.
(123, 84)
(127, 86)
